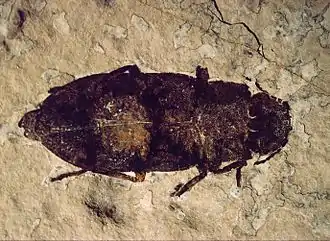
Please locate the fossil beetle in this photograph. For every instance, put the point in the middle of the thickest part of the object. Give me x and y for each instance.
(130, 121)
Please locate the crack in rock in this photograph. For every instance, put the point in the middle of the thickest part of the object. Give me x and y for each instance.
(221, 19)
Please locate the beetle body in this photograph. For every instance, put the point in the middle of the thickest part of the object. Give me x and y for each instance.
(128, 120)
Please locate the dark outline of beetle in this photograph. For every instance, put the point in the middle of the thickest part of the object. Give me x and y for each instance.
(201, 82)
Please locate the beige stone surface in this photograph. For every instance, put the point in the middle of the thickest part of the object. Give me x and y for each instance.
(284, 45)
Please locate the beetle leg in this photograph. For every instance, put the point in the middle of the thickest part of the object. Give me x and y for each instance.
(231, 166)
(139, 176)
(68, 174)
(128, 68)
(201, 83)
(182, 189)
(235, 165)
(238, 176)
(202, 74)
(267, 158)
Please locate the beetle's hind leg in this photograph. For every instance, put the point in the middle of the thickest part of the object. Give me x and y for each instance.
(235, 165)
(139, 176)
(68, 174)
(181, 189)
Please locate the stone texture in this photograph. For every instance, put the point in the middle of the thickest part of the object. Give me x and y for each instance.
(284, 45)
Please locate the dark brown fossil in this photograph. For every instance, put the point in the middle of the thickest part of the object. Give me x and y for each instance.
(128, 120)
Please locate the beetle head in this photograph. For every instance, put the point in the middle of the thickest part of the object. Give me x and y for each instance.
(28, 122)
(269, 124)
